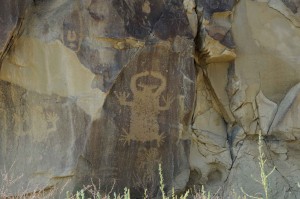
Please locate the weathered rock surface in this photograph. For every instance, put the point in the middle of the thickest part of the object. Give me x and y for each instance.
(102, 90)
(289, 8)
(266, 112)
(286, 124)
(12, 14)
(254, 92)
(108, 90)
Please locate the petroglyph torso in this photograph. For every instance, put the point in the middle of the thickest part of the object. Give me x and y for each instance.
(145, 108)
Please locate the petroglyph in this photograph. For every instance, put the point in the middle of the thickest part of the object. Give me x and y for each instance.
(72, 31)
(41, 122)
(147, 164)
(52, 118)
(145, 108)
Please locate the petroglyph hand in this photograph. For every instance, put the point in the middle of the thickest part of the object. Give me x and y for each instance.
(126, 137)
(52, 117)
(160, 139)
(122, 98)
(168, 101)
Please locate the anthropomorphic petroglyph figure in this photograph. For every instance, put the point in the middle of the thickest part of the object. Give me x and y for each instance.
(19, 122)
(72, 31)
(42, 123)
(145, 108)
(147, 164)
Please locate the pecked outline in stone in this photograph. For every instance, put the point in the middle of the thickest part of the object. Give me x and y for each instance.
(145, 108)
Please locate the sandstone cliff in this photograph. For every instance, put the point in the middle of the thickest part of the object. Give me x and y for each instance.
(108, 89)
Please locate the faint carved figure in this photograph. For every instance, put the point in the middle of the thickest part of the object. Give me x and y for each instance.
(146, 174)
(145, 108)
(42, 122)
(3, 114)
(18, 122)
(52, 118)
(72, 31)
(147, 163)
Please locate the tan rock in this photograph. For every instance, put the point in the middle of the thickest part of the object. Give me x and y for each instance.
(286, 122)
(42, 62)
(219, 25)
(189, 6)
(265, 57)
(212, 126)
(279, 5)
(266, 112)
(217, 52)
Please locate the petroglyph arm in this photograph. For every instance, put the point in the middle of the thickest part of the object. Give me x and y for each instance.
(134, 79)
(122, 98)
(168, 101)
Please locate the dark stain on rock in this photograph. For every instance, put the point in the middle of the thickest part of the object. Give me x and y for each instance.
(293, 5)
(138, 21)
(211, 7)
(217, 32)
(173, 22)
(228, 40)
(95, 13)
(73, 30)
(105, 72)
(11, 14)
(95, 16)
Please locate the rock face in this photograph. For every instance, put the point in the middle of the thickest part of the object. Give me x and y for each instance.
(99, 89)
(109, 90)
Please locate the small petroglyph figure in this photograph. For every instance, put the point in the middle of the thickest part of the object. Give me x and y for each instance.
(42, 122)
(147, 164)
(52, 118)
(18, 122)
(145, 108)
(72, 31)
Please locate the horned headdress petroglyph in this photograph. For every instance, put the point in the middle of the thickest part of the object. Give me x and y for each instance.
(145, 108)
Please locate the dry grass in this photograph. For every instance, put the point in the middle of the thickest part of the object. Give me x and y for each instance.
(93, 191)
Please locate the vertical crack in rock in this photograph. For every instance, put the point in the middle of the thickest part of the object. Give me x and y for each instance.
(216, 99)
(14, 36)
(201, 57)
(11, 23)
